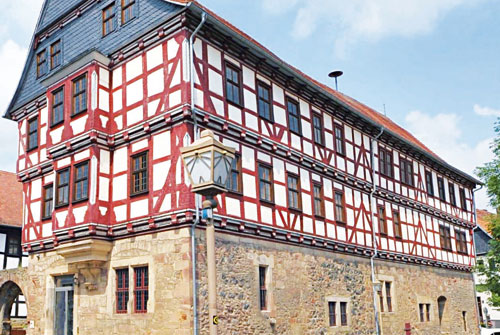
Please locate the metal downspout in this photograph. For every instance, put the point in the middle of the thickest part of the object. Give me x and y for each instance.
(474, 248)
(197, 197)
(374, 238)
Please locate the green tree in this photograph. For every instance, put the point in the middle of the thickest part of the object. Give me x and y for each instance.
(490, 175)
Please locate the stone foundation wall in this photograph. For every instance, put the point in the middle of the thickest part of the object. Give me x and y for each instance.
(167, 255)
(302, 280)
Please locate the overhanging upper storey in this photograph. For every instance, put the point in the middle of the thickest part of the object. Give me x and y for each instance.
(245, 48)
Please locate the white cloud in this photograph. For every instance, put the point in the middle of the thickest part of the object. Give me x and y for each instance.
(486, 111)
(12, 58)
(364, 20)
(19, 15)
(442, 133)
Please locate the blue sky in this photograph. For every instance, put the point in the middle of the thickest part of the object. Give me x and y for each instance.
(434, 64)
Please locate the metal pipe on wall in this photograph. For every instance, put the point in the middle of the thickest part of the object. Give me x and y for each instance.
(474, 211)
(197, 197)
(374, 237)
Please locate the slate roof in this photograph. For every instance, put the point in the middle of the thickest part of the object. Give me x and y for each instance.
(11, 200)
(53, 9)
(83, 35)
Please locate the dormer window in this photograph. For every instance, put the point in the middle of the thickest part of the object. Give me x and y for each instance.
(80, 95)
(55, 54)
(108, 19)
(41, 63)
(128, 10)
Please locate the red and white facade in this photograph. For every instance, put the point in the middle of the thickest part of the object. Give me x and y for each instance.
(138, 101)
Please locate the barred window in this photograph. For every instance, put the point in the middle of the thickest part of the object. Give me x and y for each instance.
(332, 316)
(262, 287)
(81, 181)
(139, 173)
(343, 313)
(122, 288)
(141, 294)
(388, 296)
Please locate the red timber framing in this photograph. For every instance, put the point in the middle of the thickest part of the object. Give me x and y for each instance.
(138, 103)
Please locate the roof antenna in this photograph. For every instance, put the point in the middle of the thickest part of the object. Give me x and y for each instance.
(385, 114)
(336, 74)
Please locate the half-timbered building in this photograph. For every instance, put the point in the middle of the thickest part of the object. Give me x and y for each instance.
(324, 193)
(11, 254)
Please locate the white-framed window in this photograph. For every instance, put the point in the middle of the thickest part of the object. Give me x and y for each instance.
(338, 312)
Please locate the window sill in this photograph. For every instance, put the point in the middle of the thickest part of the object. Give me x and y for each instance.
(47, 218)
(340, 154)
(340, 223)
(75, 202)
(32, 149)
(235, 104)
(298, 133)
(267, 202)
(298, 210)
(57, 124)
(79, 113)
(319, 144)
(138, 194)
(234, 193)
(266, 119)
(123, 24)
(61, 205)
